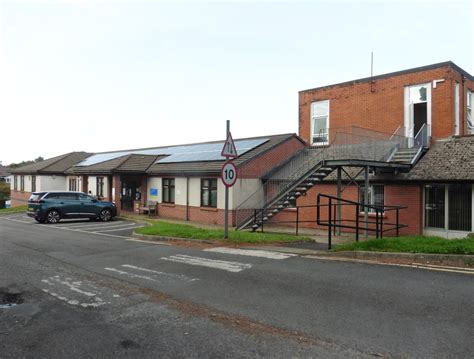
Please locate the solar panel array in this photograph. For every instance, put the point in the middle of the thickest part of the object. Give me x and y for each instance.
(187, 153)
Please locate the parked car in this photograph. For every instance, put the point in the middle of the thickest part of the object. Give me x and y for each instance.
(53, 206)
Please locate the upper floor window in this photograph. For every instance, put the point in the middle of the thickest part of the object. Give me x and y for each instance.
(209, 192)
(168, 190)
(470, 119)
(320, 122)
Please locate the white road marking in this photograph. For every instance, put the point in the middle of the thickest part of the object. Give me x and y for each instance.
(15, 220)
(413, 265)
(130, 274)
(149, 242)
(117, 229)
(60, 285)
(92, 224)
(179, 276)
(206, 262)
(251, 252)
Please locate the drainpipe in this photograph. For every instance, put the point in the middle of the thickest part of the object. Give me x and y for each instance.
(187, 198)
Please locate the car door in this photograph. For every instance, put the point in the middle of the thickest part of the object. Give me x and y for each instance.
(87, 206)
(69, 204)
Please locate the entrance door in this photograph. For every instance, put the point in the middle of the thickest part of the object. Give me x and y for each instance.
(417, 109)
(130, 192)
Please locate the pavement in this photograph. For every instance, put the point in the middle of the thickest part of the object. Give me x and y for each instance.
(73, 290)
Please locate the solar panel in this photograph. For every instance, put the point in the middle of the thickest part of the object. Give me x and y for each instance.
(185, 153)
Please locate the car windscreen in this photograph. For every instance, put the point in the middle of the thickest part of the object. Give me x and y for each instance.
(36, 197)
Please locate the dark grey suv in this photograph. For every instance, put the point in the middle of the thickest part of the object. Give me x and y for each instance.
(53, 206)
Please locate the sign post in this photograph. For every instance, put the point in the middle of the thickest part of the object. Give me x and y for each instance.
(228, 173)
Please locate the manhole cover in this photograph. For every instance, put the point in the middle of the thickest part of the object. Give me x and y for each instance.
(9, 300)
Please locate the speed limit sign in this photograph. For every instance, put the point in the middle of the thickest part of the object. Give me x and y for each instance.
(229, 174)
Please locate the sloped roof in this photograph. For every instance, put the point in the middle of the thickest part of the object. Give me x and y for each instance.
(54, 165)
(214, 167)
(5, 171)
(446, 160)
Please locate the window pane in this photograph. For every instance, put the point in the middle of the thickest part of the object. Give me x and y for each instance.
(213, 198)
(418, 94)
(172, 195)
(460, 207)
(205, 197)
(166, 196)
(434, 206)
(378, 196)
(320, 108)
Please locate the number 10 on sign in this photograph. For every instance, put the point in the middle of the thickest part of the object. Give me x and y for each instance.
(229, 174)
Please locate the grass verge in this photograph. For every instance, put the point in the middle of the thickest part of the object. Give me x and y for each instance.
(186, 231)
(18, 209)
(412, 244)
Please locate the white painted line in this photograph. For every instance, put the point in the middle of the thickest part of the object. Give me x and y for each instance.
(99, 227)
(206, 262)
(130, 274)
(90, 224)
(15, 220)
(149, 242)
(251, 252)
(116, 230)
(179, 276)
(414, 265)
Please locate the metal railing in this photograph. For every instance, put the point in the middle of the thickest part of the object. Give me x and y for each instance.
(350, 142)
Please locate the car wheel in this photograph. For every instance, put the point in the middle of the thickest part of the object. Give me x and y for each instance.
(53, 216)
(105, 215)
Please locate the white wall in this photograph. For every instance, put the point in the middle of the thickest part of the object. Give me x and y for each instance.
(92, 185)
(180, 191)
(242, 189)
(195, 192)
(51, 183)
(154, 182)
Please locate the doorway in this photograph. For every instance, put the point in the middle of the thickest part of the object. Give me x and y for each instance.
(417, 109)
(131, 191)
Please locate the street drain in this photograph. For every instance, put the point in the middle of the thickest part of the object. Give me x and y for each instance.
(9, 300)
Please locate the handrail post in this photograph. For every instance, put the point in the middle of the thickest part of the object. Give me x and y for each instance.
(376, 222)
(398, 210)
(381, 224)
(297, 218)
(330, 223)
(357, 222)
(263, 209)
(318, 203)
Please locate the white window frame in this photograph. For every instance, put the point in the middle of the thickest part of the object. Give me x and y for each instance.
(408, 110)
(313, 118)
(470, 114)
(371, 196)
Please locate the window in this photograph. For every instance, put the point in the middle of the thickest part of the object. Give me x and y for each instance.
(72, 184)
(376, 197)
(22, 183)
(168, 190)
(456, 108)
(33, 183)
(449, 207)
(470, 119)
(100, 187)
(460, 207)
(320, 122)
(209, 192)
(434, 206)
(15, 182)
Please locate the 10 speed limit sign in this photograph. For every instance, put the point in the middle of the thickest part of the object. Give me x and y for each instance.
(229, 174)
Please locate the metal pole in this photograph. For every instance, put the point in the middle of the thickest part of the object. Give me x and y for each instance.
(226, 210)
(366, 200)
(339, 216)
(297, 218)
(330, 221)
(357, 222)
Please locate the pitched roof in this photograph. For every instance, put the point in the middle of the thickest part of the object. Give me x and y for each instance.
(214, 167)
(447, 160)
(127, 163)
(54, 165)
(5, 171)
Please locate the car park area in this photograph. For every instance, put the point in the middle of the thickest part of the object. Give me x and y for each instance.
(114, 228)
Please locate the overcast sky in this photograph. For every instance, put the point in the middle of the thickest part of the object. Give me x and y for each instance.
(97, 76)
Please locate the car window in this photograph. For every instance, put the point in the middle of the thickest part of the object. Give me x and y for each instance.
(52, 196)
(68, 196)
(36, 197)
(84, 197)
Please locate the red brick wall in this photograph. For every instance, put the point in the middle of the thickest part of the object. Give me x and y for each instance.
(405, 195)
(271, 159)
(19, 198)
(196, 214)
(383, 109)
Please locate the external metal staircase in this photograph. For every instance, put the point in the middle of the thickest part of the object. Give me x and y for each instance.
(293, 179)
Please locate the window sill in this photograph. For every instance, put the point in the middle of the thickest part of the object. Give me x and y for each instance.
(167, 204)
(210, 209)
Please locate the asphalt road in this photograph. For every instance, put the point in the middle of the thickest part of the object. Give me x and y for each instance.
(80, 291)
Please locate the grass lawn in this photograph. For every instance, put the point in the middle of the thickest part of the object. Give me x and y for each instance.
(168, 229)
(19, 209)
(412, 244)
